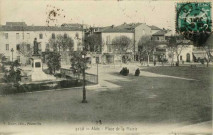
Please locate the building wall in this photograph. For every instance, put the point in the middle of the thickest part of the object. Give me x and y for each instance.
(108, 37)
(154, 31)
(158, 38)
(141, 30)
(28, 37)
(188, 50)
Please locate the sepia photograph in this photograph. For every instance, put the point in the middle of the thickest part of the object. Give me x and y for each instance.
(96, 67)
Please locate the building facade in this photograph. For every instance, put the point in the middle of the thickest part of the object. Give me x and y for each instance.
(133, 31)
(15, 33)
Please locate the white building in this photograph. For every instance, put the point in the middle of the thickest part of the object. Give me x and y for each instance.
(14, 33)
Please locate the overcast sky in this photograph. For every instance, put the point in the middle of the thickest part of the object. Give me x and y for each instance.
(94, 13)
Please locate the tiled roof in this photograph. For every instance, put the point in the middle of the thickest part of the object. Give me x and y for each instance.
(16, 24)
(129, 28)
(38, 28)
(154, 27)
(160, 33)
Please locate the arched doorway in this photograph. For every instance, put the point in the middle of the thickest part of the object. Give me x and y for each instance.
(187, 57)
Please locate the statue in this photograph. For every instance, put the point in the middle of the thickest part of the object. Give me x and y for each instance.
(35, 47)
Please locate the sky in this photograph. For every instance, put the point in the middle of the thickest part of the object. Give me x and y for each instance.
(93, 13)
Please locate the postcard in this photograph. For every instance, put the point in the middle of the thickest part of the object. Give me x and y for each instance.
(71, 67)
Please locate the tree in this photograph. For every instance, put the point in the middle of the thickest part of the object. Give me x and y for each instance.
(121, 44)
(53, 61)
(25, 49)
(146, 46)
(207, 47)
(176, 44)
(61, 43)
(93, 43)
(78, 67)
(14, 74)
(78, 63)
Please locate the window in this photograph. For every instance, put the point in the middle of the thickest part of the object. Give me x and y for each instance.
(65, 35)
(18, 47)
(28, 35)
(40, 36)
(53, 36)
(6, 35)
(17, 36)
(28, 47)
(109, 48)
(7, 47)
(37, 64)
(108, 40)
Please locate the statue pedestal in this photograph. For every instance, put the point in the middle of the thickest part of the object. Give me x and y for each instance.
(37, 72)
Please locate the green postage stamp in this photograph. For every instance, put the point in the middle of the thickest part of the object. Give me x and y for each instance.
(193, 17)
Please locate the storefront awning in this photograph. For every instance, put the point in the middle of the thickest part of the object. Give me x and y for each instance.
(199, 55)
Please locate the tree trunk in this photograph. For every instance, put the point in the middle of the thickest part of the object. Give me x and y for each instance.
(148, 60)
(177, 60)
(172, 61)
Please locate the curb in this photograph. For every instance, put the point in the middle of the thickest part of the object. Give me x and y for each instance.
(60, 89)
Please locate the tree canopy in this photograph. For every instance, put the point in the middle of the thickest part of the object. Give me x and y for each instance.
(53, 61)
(146, 45)
(61, 43)
(78, 61)
(122, 44)
(93, 43)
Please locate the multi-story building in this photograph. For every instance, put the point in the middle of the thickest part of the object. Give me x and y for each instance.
(134, 31)
(15, 33)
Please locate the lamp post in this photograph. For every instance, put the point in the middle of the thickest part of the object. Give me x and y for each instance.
(12, 50)
(84, 81)
(97, 61)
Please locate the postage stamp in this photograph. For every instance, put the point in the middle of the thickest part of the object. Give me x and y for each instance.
(193, 18)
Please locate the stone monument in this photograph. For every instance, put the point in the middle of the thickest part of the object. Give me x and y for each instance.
(36, 62)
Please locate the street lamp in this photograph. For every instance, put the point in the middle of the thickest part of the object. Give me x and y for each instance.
(84, 81)
(97, 62)
(12, 50)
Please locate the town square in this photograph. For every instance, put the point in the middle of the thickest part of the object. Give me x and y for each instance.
(124, 76)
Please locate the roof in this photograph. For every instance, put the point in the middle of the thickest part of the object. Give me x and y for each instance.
(154, 27)
(72, 25)
(38, 28)
(129, 28)
(16, 24)
(160, 33)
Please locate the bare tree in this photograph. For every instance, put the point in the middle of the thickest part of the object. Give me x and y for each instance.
(175, 46)
(208, 48)
(25, 49)
(147, 46)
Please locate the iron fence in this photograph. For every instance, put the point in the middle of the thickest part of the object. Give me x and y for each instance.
(89, 77)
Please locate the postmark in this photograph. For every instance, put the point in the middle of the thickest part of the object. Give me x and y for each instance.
(194, 19)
